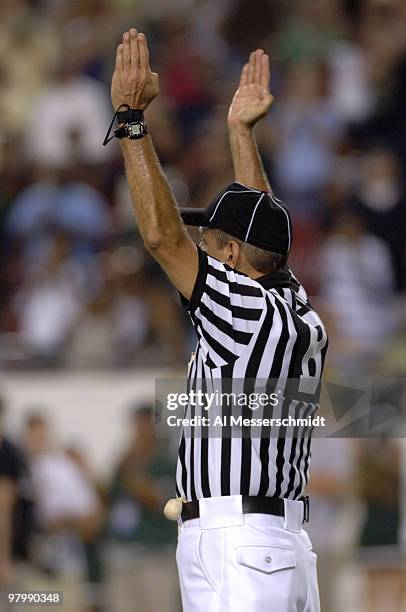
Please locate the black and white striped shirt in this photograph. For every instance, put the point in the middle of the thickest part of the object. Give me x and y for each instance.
(250, 331)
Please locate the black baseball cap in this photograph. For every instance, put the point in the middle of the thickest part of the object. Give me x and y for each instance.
(253, 216)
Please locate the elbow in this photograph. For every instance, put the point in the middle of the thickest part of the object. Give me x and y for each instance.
(154, 241)
(161, 244)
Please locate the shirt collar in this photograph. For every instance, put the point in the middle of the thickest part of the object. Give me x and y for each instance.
(282, 278)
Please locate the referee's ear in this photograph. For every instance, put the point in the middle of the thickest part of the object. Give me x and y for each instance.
(233, 254)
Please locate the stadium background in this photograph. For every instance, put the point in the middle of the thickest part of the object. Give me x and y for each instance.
(88, 320)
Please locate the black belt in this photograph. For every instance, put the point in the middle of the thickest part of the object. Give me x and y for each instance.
(251, 505)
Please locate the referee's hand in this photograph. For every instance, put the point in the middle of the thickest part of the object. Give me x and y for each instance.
(252, 99)
(133, 82)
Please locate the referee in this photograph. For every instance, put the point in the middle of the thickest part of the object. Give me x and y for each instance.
(241, 547)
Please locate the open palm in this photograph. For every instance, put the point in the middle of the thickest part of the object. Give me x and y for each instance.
(133, 83)
(252, 99)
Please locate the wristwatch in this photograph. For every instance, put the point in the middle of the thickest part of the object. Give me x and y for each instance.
(132, 123)
(134, 130)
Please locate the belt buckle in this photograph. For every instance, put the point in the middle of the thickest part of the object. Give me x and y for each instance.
(306, 513)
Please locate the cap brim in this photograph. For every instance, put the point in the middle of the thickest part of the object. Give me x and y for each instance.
(195, 216)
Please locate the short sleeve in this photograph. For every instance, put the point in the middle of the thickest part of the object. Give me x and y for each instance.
(226, 308)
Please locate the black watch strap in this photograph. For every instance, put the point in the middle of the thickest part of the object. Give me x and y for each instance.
(123, 131)
(131, 115)
(120, 132)
(127, 117)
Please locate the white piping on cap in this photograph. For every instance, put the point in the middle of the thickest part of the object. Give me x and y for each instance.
(287, 217)
(252, 218)
(248, 187)
(224, 195)
(271, 193)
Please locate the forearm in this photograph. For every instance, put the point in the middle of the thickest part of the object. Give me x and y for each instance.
(248, 167)
(155, 208)
(158, 216)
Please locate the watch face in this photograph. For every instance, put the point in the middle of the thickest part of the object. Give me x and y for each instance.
(135, 130)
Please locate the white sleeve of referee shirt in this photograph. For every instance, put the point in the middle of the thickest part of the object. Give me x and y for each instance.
(226, 308)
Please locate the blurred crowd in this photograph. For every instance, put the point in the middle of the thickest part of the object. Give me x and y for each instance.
(103, 542)
(76, 286)
(77, 289)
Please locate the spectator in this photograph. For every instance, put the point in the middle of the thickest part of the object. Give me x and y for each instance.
(122, 323)
(142, 562)
(379, 478)
(380, 201)
(93, 338)
(61, 201)
(332, 462)
(74, 110)
(69, 513)
(307, 131)
(351, 91)
(91, 539)
(15, 507)
(358, 288)
(47, 306)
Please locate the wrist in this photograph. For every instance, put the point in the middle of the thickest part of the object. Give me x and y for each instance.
(130, 115)
(128, 144)
(236, 127)
(131, 124)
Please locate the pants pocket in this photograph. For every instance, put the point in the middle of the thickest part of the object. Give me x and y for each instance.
(265, 577)
(210, 560)
(266, 559)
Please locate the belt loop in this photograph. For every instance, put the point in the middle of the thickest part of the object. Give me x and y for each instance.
(218, 512)
(293, 515)
(306, 510)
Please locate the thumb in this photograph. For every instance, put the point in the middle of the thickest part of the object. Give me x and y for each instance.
(269, 98)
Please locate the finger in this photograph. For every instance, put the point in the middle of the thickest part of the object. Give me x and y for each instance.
(143, 51)
(119, 58)
(244, 75)
(126, 51)
(134, 51)
(265, 72)
(257, 65)
(250, 76)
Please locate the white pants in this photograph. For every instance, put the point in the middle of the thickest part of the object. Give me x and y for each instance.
(234, 562)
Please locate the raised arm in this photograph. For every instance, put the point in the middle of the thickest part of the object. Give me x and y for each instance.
(251, 102)
(155, 207)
